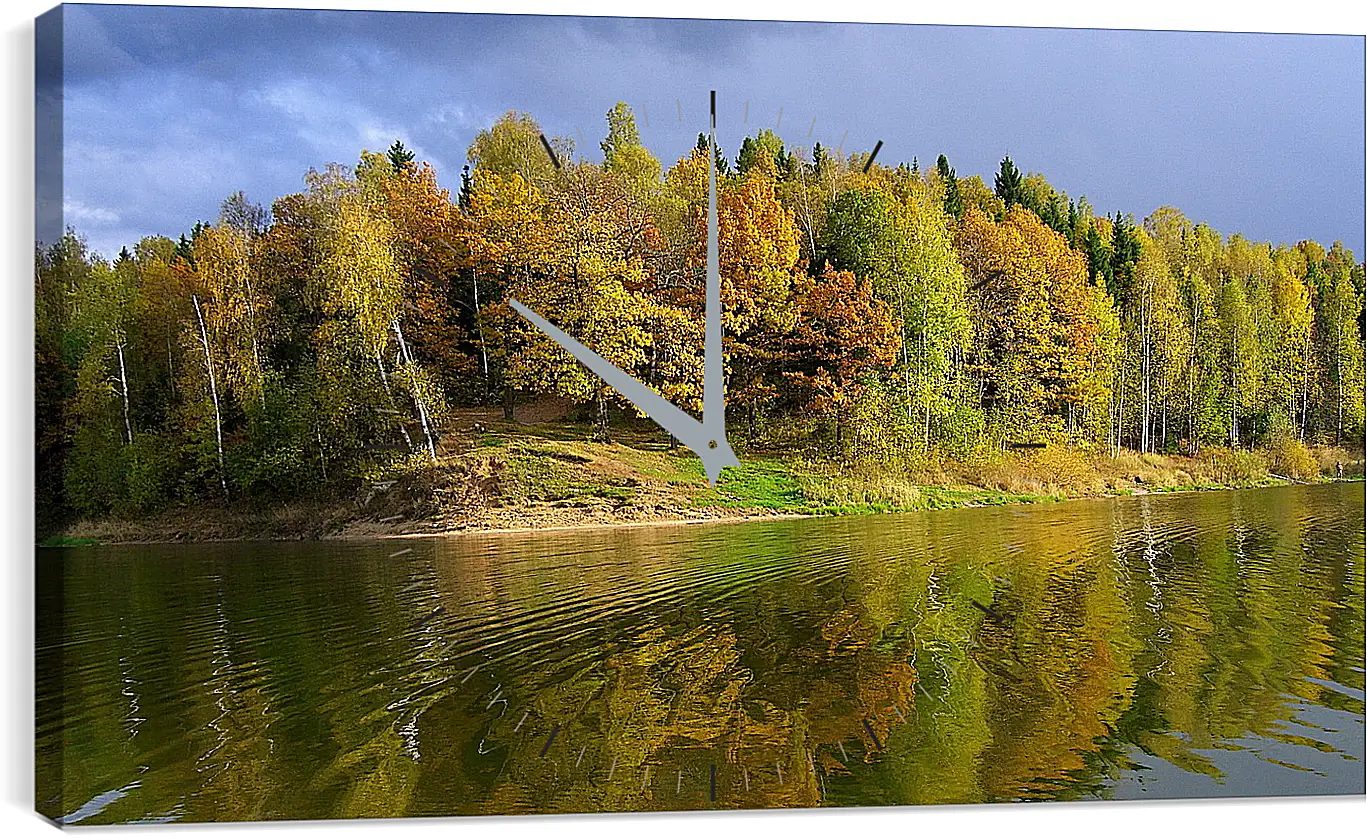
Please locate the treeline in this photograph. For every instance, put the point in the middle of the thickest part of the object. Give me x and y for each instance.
(297, 349)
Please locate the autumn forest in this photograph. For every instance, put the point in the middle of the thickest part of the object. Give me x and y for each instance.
(333, 337)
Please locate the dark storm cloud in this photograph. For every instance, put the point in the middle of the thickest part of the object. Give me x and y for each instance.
(170, 109)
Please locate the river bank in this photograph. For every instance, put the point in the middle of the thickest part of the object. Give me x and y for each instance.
(551, 477)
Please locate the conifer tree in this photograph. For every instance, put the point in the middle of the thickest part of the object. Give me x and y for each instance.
(399, 157)
(954, 204)
(1008, 183)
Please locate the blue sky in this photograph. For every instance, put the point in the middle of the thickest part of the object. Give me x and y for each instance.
(168, 110)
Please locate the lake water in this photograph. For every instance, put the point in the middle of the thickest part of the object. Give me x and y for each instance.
(1162, 646)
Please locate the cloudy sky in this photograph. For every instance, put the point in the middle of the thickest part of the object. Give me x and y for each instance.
(168, 110)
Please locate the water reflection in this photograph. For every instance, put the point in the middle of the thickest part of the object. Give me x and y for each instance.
(1205, 644)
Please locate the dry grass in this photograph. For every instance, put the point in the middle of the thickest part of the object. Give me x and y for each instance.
(860, 488)
(1339, 462)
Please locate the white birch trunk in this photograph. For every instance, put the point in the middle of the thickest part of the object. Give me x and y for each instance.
(389, 392)
(213, 394)
(123, 381)
(417, 397)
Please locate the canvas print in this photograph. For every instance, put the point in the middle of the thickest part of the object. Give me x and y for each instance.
(455, 414)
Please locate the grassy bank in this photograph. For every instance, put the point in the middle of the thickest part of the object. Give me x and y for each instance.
(504, 476)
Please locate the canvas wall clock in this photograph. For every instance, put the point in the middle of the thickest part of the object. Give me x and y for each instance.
(448, 414)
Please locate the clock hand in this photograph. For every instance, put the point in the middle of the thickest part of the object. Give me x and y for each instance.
(707, 438)
(713, 399)
(715, 453)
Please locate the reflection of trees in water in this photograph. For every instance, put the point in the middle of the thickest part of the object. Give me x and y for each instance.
(984, 655)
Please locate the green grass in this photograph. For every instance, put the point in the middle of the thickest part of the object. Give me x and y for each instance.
(63, 541)
(756, 484)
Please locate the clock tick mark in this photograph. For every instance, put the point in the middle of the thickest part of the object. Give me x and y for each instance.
(554, 730)
(546, 144)
(869, 162)
(868, 727)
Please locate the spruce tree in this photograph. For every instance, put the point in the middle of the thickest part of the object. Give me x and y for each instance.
(723, 165)
(954, 204)
(1009, 183)
(1098, 257)
(399, 157)
(1124, 256)
(466, 184)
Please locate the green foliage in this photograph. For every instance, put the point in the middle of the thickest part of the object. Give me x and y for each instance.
(623, 153)
(764, 149)
(151, 472)
(953, 202)
(399, 157)
(1009, 184)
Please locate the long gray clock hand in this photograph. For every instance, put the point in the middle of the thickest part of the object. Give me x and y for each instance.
(708, 437)
(713, 384)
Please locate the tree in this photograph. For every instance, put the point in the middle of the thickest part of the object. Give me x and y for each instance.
(1156, 345)
(432, 242)
(760, 259)
(723, 165)
(509, 241)
(238, 309)
(1052, 206)
(362, 285)
(399, 157)
(623, 153)
(844, 339)
(512, 145)
(100, 322)
(764, 149)
(1008, 184)
(1339, 345)
(974, 193)
(1124, 253)
(901, 242)
(1037, 331)
(954, 203)
(1242, 355)
(593, 263)
(1195, 260)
